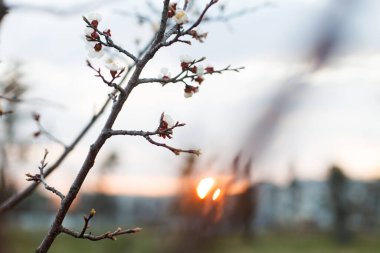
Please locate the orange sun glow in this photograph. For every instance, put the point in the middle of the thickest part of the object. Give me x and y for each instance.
(205, 186)
(216, 194)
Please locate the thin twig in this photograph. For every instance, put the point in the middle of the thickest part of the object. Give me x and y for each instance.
(111, 82)
(187, 76)
(40, 177)
(86, 222)
(10, 99)
(239, 13)
(2, 113)
(147, 135)
(20, 196)
(42, 130)
(107, 235)
(176, 151)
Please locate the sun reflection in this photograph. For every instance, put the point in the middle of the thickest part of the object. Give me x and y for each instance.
(204, 187)
(216, 194)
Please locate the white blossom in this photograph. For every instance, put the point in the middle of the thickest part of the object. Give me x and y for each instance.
(168, 120)
(186, 58)
(155, 26)
(95, 54)
(200, 70)
(88, 31)
(94, 16)
(113, 65)
(180, 17)
(92, 52)
(188, 94)
(164, 73)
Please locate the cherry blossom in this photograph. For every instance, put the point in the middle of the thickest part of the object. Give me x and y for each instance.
(95, 49)
(94, 19)
(164, 74)
(180, 17)
(114, 66)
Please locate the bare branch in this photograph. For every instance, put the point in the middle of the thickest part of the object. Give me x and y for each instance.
(176, 151)
(2, 113)
(10, 99)
(200, 18)
(89, 236)
(107, 235)
(237, 14)
(17, 198)
(40, 177)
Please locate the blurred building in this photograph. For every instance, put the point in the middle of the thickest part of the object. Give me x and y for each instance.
(308, 205)
(302, 205)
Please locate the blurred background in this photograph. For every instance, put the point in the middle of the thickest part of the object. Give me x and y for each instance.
(290, 145)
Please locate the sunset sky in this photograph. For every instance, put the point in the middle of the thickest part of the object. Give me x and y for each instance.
(333, 119)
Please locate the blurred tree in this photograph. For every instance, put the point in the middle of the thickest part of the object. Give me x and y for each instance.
(338, 186)
(3, 10)
(11, 92)
(186, 205)
(295, 194)
(245, 203)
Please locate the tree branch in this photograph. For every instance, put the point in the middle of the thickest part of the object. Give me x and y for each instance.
(19, 197)
(146, 134)
(176, 151)
(188, 76)
(40, 177)
(109, 42)
(107, 235)
(111, 82)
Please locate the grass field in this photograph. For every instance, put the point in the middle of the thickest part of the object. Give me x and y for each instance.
(153, 241)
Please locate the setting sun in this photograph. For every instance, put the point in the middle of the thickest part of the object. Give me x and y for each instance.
(216, 194)
(204, 187)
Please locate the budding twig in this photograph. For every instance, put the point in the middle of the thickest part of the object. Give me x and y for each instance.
(107, 235)
(40, 177)
(20, 196)
(109, 42)
(147, 135)
(89, 236)
(86, 222)
(187, 75)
